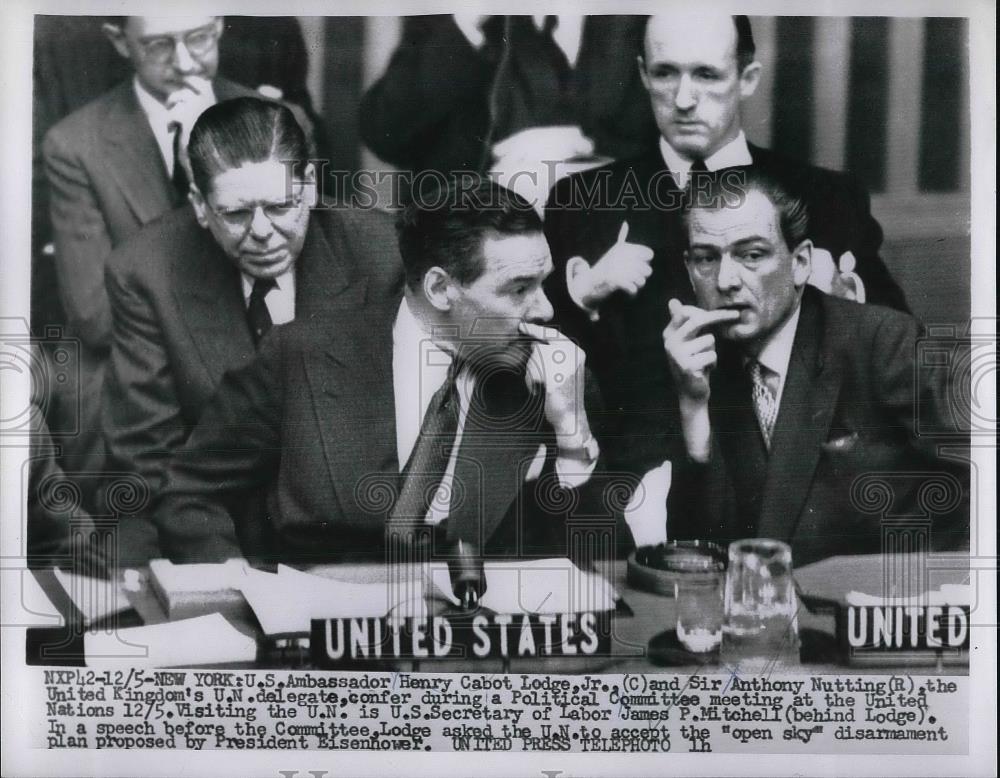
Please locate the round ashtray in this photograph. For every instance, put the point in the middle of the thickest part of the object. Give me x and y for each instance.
(656, 568)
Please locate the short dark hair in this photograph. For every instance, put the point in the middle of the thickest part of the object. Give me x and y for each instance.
(746, 50)
(245, 129)
(446, 227)
(728, 189)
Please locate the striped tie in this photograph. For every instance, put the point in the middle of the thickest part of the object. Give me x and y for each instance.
(765, 404)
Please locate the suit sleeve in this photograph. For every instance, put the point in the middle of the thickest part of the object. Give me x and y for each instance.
(562, 229)
(434, 76)
(921, 398)
(235, 446)
(141, 415)
(82, 244)
(880, 287)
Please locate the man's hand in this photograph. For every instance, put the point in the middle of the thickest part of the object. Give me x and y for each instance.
(625, 266)
(690, 354)
(556, 365)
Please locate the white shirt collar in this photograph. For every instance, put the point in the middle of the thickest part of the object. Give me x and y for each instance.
(777, 351)
(736, 152)
(284, 282)
(280, 301)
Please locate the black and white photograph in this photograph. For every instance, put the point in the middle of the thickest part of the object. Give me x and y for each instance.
(455, 389)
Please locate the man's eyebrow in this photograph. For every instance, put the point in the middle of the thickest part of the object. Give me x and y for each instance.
(521, 279)
(752, 239)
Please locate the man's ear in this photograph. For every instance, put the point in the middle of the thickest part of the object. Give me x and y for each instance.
(749, 79)
(439, 288)
(197, 201)
(642, 71)
(310, 192)
(116, 35)
(802, 263)
(220, 26)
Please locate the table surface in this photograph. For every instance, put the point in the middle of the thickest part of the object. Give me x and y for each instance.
(652, 614)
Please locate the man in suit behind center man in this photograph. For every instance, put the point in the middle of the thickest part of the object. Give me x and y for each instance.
(195, 292)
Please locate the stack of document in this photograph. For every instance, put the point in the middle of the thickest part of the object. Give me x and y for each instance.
(286, 602)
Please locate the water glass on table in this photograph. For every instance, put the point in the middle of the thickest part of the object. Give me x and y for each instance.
(761, 625)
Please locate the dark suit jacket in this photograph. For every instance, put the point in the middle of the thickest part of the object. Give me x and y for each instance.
(107, 179)
(315, 417)
(431, 110)
(180, 321)
(625, 348)
(845, 462)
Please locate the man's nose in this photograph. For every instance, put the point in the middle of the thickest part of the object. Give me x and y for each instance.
(729, 275)
(541, 308)
(182, 59)
(686, 96)
(260, 225)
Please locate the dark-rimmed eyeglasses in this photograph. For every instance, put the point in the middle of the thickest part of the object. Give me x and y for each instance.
(240, 219)
(198, 42)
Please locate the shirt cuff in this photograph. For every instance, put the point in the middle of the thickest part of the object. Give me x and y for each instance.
(573, 286)
(646, 512)
(573, 473)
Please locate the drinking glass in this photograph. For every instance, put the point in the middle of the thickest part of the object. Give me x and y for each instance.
(761, 626)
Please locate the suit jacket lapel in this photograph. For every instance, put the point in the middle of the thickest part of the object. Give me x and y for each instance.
(138, 168)
(807, 405)
(207, 287)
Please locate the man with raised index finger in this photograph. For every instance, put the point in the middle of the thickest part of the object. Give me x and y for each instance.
(789, 398)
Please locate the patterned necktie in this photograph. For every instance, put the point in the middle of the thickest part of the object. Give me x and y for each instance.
(428, 460)
(258, 316)
(178, 176)
(765, 403)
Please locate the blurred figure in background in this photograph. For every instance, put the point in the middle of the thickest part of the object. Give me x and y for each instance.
(508, 93)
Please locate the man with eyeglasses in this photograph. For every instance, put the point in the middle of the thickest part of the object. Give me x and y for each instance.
(195, 293)
(113, 166)
(800, 412)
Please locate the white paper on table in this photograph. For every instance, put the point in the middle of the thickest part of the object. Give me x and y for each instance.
(205, 577)
(287, 601)
(205, 640)
(537, 586)
(95, 598)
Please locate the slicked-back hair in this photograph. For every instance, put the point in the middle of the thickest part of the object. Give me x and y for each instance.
(728, 189)
(245, 129)
(446, 228)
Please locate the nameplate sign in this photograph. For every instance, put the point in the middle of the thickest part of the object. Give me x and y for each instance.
(459, 636)
(903, 629)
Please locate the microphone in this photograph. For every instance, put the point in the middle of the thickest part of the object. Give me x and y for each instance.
(468, 579)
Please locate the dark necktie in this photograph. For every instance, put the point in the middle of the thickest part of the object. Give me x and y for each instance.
(428, 461)
(695, 174)
(178, 176)
(258, 316)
